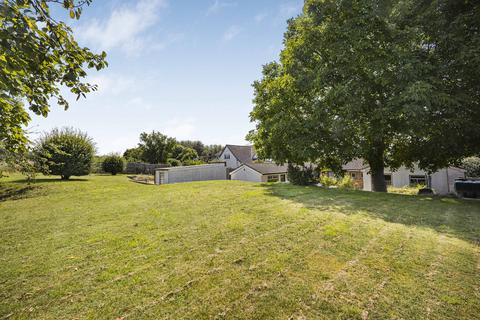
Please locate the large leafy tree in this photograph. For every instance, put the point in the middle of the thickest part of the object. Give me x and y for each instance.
(38, 56)
(196, 145)
(133, 154)
(156, 147)
(211, 152)
(393, 82)
(182, 153)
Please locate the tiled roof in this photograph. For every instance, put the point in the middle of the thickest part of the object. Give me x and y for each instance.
(268, 168)
(355, 165)
(243, 154)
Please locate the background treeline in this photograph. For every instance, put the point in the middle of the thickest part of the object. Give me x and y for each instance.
(68, 152)
(157, 148)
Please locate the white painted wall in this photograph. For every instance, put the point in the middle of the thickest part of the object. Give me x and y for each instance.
(216, 171)
(265, 177)
(443, 181)
(246, 173)
(231, 163)
(401, 177)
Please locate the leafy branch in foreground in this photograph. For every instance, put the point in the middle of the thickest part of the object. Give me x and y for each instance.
(38, 56)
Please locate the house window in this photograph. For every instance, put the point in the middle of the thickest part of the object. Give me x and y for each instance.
(353, 175)
(388, 179)
(272, 178)
(418, 180)
(283, 178)
(226, 156)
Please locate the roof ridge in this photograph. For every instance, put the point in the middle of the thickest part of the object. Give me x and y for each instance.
(239, 145)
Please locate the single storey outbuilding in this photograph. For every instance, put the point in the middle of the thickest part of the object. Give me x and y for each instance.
(441, 181)
(260, 172)
(214, 171)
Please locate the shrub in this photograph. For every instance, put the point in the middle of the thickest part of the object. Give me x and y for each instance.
(346, 182)
(193, 162)
(65, 152)
(301, 176)
(113, 164)
(328, 181)
(472, 166)
(97, 164)
(174, 162)
(19, 161)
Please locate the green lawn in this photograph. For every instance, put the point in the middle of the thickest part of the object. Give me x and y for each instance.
(107, 248)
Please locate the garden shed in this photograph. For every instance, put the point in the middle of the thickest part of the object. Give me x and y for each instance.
(215, 171)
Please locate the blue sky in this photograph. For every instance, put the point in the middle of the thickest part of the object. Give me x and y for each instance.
(182, 67)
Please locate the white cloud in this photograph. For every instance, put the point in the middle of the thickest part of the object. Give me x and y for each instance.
(288, 10)
(114, 84)
(170, 39)
(181, 129)
(218, 5)
(231, 33)
(124, 28)
(260, 17)
(138, 103)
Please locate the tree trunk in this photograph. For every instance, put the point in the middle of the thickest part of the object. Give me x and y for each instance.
(65, 177)
(378, 178)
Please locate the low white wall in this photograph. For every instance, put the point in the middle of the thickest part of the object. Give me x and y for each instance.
(207, 172)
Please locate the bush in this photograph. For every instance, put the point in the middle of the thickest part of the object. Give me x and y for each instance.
(174, 162)
(328, 181)
(97, 164)
(113, 164)
(472, 166)
(65, 152)
(302, 176)
(346, 182)
(193, 162)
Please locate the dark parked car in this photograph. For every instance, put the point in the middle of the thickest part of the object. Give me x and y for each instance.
(468, 188)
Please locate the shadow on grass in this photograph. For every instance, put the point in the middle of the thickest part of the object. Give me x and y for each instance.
(451, 216)
(49, 180)
(13, 192)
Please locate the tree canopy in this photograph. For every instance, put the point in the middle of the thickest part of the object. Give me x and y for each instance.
(472, 166)
(64, 152)
(113, 164)
(38, 56)
(156, 147)
(393, 82)
(182, 153)
(196, 145)
(133, 154)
